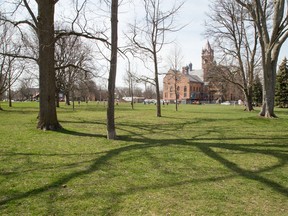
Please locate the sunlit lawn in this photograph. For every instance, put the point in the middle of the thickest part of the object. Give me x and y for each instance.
(201, 160)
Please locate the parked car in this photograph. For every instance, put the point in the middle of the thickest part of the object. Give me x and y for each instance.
(150, 101)
(226, 103)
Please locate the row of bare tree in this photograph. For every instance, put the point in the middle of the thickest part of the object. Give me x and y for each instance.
(238, 27)
(249, 35)
(62, 58)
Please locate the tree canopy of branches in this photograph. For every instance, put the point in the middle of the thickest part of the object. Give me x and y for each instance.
(270, 18)
(74, 64)
(149, 36)
(235, 36)
(42, 23)
(10, 69)
(174, 75)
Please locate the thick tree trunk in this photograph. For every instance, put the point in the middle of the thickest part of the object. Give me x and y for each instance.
(57, 99)
(67, 98)
(111, 131)
(269, 72)
(248, 99)
(47, 114)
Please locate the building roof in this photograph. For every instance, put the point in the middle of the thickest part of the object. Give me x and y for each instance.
(194, 78)
(199, 73)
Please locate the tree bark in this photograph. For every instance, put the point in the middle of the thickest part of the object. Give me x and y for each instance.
(272, 32)
(57, 98)
(67, 98)
(111, 131)
(269, 73)
(157, 82)
(248, 99)
(47, 114)
(1, 109)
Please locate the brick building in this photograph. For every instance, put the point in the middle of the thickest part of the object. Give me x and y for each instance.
(191, 85)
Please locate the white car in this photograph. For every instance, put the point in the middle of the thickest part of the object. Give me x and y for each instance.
(226, 103)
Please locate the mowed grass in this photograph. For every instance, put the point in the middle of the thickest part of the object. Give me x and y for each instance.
(201, 160)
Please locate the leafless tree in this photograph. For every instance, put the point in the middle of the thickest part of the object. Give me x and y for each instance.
(150, 37)
(271, 20)
(174, 74)
(10, 67)
(130, 80)
(175, 58)
(74, 64)
(149, 91)
(236, 38)
(26, 90)
(111, 130)
(42, 23)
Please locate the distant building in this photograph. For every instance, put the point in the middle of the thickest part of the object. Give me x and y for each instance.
(190, 85)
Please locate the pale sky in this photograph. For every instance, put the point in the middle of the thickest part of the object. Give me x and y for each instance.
(190, 39)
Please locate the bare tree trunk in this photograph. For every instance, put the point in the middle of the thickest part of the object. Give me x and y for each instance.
(157, 83)
(132, 97)
(248, 99)
(10, 97)
(9, 90)
(111, 131)
(176, 93)
(269, 90)
(73, 100)
(272, 31)
(57, 99)
(47, 114)
(1, 109)
(67, 98)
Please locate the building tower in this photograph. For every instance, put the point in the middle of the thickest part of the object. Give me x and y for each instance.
(207, 60)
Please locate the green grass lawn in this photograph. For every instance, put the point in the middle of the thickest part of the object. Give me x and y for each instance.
(201, 160)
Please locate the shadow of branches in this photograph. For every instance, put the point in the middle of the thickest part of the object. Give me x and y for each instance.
(136, 141)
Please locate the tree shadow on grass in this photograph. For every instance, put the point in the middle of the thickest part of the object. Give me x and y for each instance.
(80, 134)
(146, 143)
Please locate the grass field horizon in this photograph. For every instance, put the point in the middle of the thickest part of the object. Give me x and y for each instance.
(200, 160)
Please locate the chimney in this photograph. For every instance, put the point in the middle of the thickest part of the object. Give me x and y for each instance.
(190, 66)
(184, 70)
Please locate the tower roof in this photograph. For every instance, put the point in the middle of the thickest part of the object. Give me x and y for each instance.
(207, 46)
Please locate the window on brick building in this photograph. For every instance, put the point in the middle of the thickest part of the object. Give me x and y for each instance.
(185, 91)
